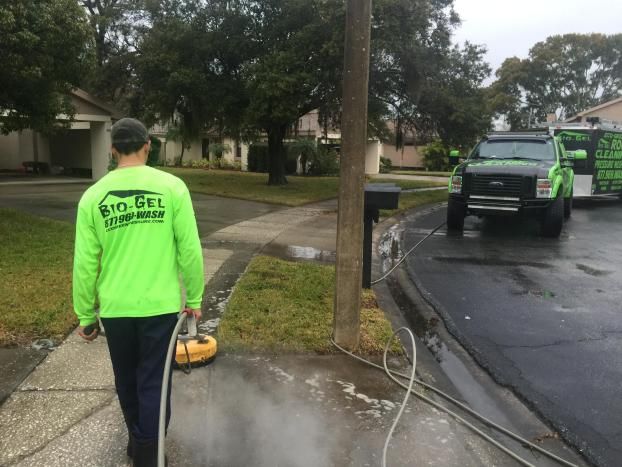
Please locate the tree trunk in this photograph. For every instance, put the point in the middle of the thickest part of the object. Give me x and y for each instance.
(276, 155)
(181, 157)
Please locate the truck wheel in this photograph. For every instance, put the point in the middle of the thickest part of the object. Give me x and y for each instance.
(455, 215)
(568, 206)
(553, 218)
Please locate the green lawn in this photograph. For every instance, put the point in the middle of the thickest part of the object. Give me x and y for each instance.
(35, 265)
(413, 200)
(284, 306)
(254, 187)
(421, 172)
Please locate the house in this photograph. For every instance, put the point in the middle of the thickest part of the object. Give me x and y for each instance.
(199, 148)
(610, 111)
(408, 155)
(81, 150)
(308, 126)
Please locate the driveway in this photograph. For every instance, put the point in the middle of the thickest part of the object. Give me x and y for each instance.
(60, 201)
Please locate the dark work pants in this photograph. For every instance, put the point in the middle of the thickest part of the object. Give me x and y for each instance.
(138, 352)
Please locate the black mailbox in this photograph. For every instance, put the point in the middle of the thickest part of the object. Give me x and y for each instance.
(382, 196)
(377, 196)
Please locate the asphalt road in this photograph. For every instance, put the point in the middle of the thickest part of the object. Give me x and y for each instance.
(543, 316)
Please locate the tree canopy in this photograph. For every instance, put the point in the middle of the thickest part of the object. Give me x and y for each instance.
(243, 68)
(562, 75)
(43, 50)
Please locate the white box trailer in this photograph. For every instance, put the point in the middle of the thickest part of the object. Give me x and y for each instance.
(601, 173)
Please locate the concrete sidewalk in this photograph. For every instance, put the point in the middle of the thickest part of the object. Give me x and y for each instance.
(287, 410)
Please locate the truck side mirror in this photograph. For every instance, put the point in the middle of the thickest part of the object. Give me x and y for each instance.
(578, 155)
(454, 156)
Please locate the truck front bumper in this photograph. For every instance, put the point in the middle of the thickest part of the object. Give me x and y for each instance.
(497, 205)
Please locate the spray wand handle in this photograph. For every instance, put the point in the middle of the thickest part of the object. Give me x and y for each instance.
(191, 324)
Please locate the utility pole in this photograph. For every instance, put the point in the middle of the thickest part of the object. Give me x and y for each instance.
(352, 175)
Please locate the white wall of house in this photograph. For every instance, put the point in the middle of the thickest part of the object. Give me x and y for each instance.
(9, 151)
(173, 151)
(229, 156)
(406, 156)
(19, 146)
(84, 145)
(100, 148)
(372, 157)
(612, 113)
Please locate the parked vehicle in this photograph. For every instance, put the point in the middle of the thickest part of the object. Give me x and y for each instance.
(515, 173)
(601, 173)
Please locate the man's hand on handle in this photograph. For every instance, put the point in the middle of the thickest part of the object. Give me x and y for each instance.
(90, 332)
(195, 311)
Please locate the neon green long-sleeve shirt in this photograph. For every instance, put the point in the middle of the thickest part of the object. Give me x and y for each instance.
(135, 233)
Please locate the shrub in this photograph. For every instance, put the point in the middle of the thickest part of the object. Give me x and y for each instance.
(258, 159)
(436, 157)
(324, 162)
(219, 149)
(305, 149)
(200, 164)
(224, 164)
(112, 164)
(153, 158)
(385, 165)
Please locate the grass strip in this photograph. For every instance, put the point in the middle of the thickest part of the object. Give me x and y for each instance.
(283, 306)
(416, 199)
(254, 186)
(36, 257)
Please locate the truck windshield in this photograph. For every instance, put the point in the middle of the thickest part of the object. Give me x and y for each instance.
(515, 149)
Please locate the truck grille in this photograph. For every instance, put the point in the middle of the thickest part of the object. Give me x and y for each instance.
(497, 185)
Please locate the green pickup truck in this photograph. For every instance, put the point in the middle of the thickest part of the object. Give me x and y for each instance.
(514, 173)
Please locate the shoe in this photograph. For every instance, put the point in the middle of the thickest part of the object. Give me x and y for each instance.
(145, 453)
(130, 447)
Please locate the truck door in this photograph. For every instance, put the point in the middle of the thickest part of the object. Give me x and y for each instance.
(574, 139)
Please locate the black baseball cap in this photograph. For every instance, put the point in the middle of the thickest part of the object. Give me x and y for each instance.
(129, 130)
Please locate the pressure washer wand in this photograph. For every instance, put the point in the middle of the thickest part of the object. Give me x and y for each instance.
(184, 316)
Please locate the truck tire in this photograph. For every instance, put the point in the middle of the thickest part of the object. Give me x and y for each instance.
(568, 206)
(455, 215)
(554, 218)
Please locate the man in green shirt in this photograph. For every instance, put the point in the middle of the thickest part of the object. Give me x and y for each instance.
(135, 235)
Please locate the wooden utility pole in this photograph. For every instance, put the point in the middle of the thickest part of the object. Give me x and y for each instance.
(352, 174)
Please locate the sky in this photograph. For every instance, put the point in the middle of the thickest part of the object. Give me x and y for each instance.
(511, 28)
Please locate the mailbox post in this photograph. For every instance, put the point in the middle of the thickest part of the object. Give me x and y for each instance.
(377, 196)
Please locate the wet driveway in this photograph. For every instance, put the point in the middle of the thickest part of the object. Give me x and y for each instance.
(60, 201)
(542, 316)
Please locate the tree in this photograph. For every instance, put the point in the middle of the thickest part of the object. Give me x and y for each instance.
(299, 57)
(242, 67)
(183, 134)
(455, 102)
(419, 80)
(562, 75)
(506, 95)
(115, 25)
(190, 68)
(42, 57)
